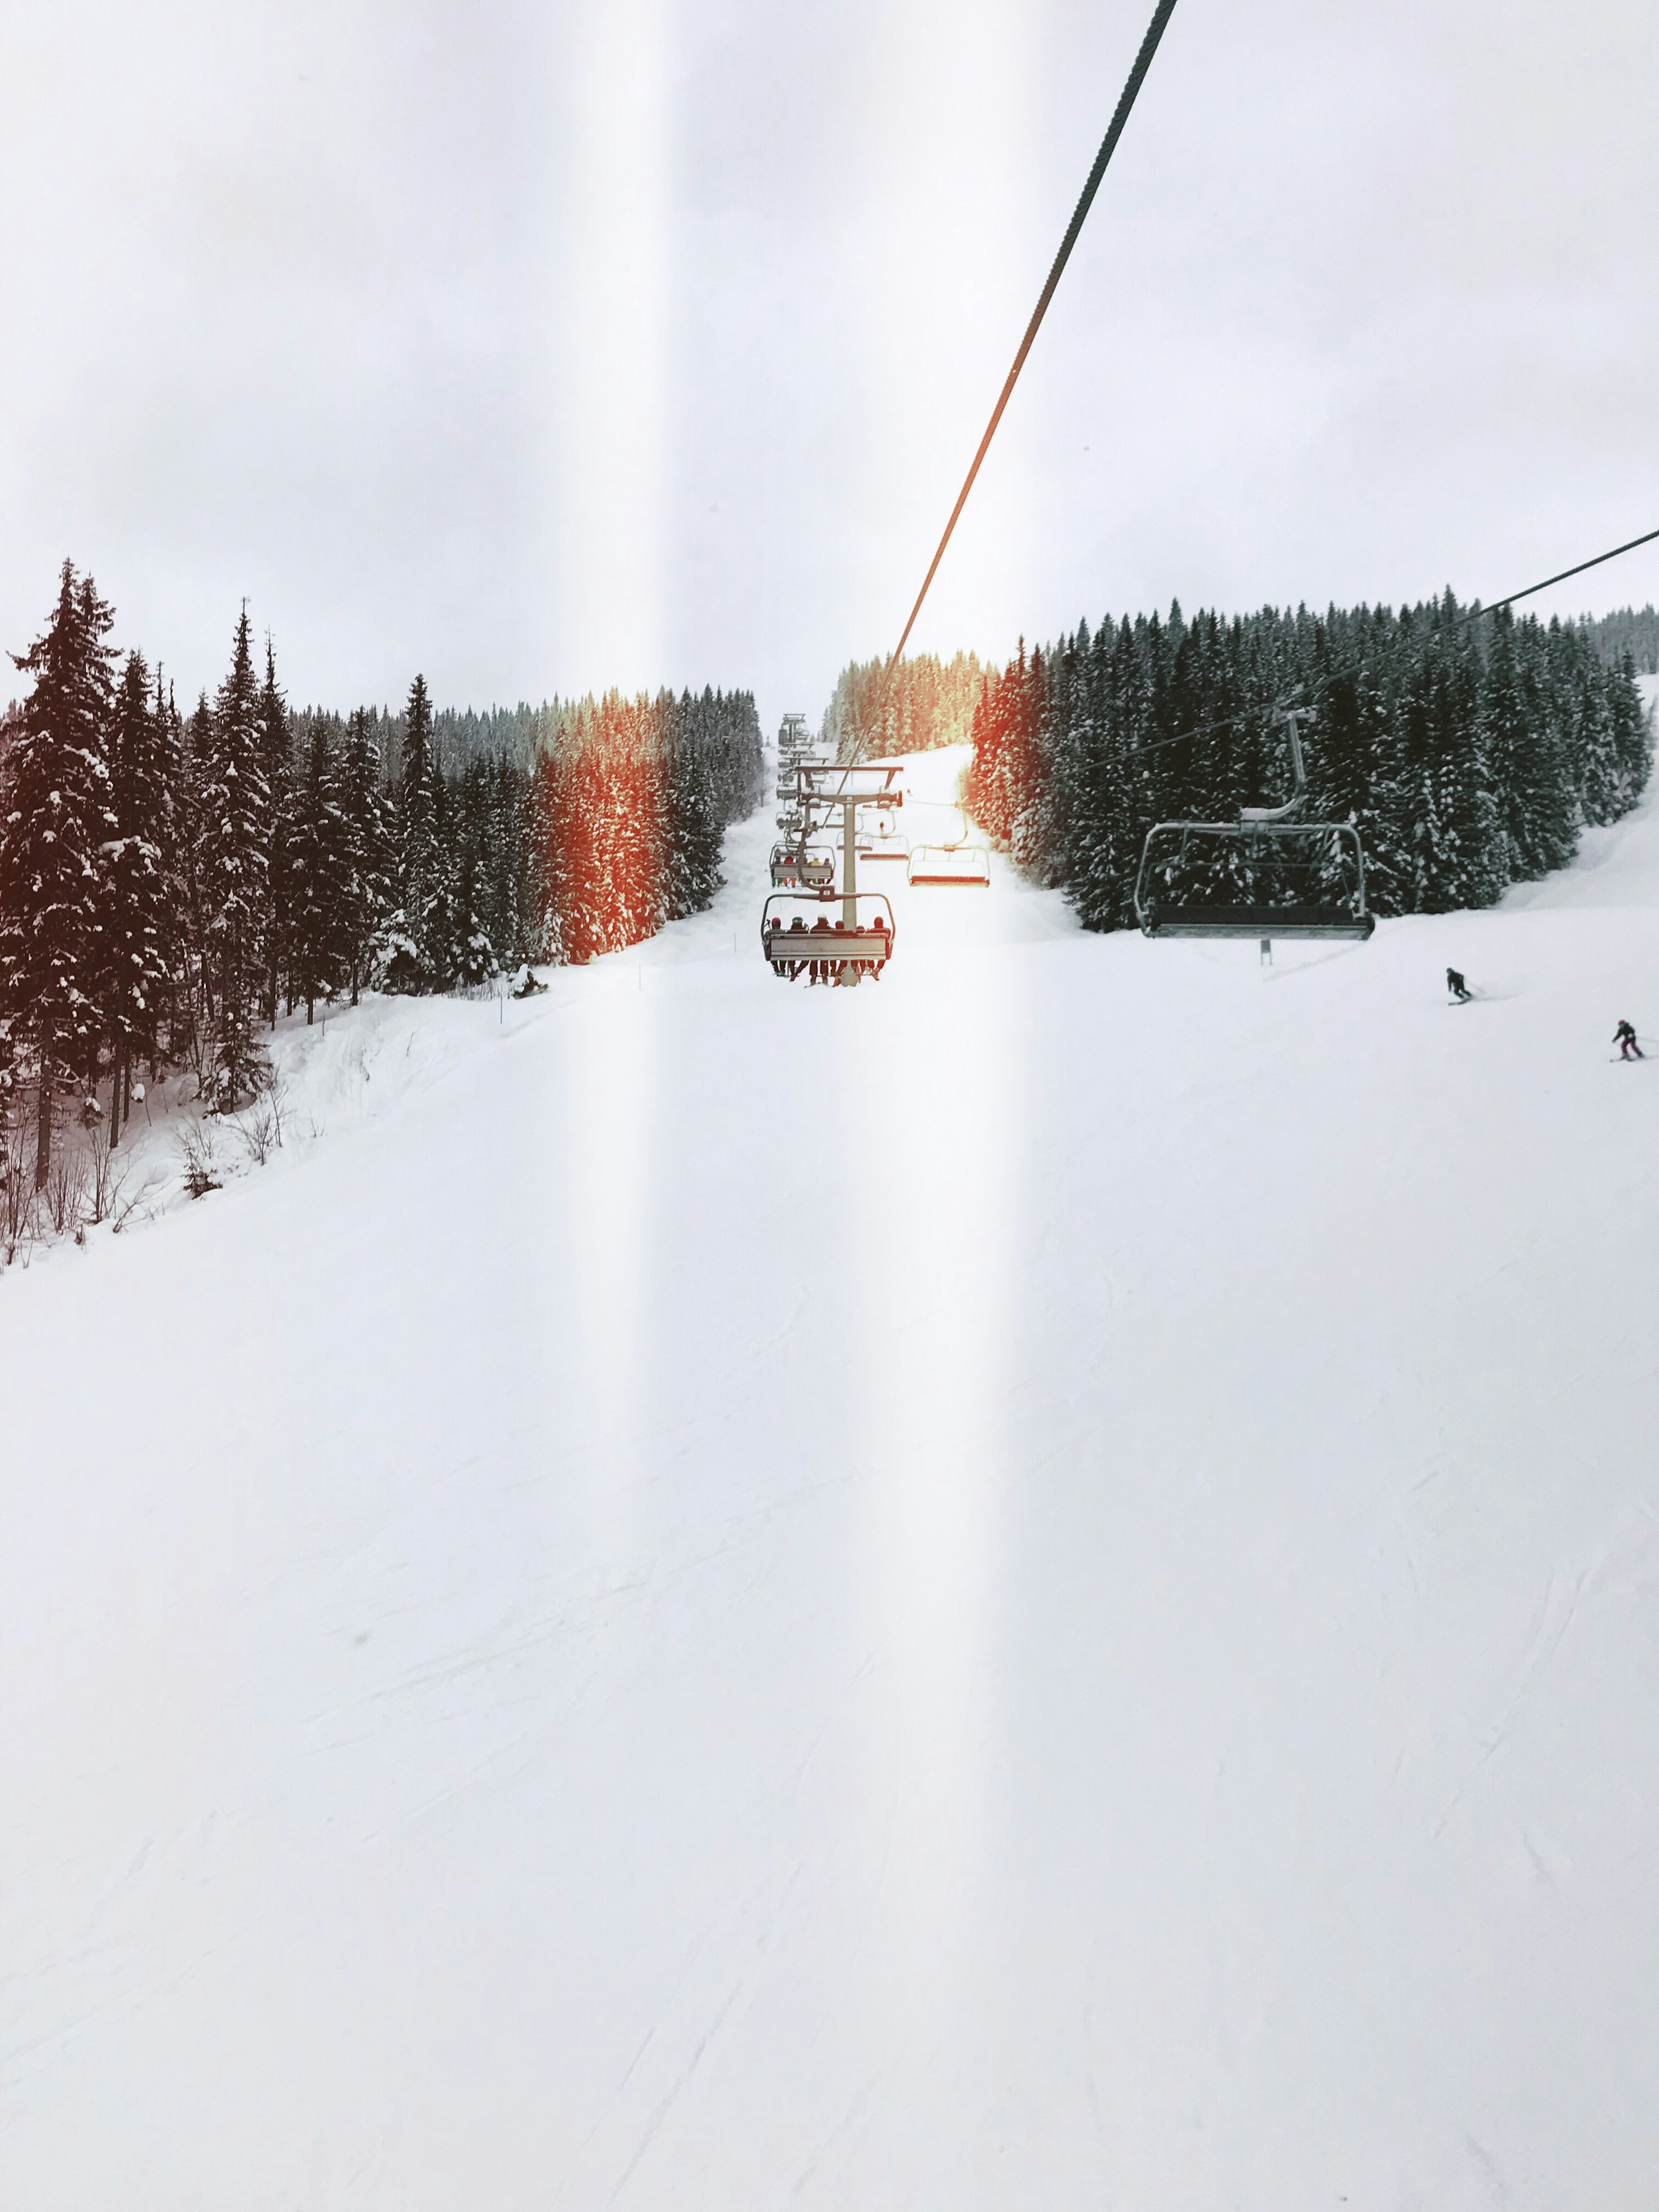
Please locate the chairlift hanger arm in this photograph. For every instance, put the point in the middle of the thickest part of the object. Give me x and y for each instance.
(1261, 816)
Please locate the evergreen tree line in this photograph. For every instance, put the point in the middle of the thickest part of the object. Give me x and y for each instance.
(924, 703)
(1468, 754)
(459, 735)
(169, 882)
(1634, 630)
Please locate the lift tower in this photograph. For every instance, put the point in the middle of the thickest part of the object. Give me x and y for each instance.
(860, 945)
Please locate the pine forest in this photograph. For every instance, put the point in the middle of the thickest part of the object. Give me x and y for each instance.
(925, 702)
(1468, 752)
(170, 881)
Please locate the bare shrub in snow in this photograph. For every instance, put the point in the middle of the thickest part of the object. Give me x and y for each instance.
(125, 1206)
(66, 1191)
(199, 1162)
(20, 1212)
(198, 1056)
(105, 1173)
(260, 1130)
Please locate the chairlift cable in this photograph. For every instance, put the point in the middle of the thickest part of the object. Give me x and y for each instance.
(1475, 613)
(1143, 61)
(1085, 200)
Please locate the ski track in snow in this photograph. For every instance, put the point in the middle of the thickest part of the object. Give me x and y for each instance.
(1034, 1585)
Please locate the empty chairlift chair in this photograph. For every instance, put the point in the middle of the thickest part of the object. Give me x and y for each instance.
(936, 868)
(956, 864)
(1297, 878)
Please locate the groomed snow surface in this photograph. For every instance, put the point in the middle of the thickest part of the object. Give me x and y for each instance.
(1033, 1587)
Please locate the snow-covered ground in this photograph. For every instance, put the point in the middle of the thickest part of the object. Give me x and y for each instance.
(1033, 1587)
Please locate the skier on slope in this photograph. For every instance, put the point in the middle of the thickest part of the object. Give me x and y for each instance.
(1459, 989)
(1625, 1037)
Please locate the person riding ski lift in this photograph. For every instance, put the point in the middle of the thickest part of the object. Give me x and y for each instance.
(1625, 1037)
(1459, 989)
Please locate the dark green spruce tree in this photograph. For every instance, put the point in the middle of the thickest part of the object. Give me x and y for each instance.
(276, 755)
(51, 856)
(366, 868)
(233, 842)
(416, 924)
(139, 898)
(317, 917)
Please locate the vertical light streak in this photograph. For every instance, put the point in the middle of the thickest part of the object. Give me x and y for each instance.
(611, 1145)
(612, 317)
(930, 1439)
(951, 129)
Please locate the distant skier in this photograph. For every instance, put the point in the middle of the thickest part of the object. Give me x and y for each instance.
(1459, 989)
(1625, 1037)
(528, 987)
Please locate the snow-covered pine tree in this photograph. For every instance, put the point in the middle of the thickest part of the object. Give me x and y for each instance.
(1004, 732)
(366, 869)
(1632, 733)
(51, 841)
(139, 898)
(512, 921)
(234, 847)
(275, 752)
(694, 829)
(443, 927)
(418, 921)
(177, 869)
(1524, 742)
(197, 1023)
(316, 908)
(475, 955)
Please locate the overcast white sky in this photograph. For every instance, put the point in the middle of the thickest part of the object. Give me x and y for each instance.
(542, 348)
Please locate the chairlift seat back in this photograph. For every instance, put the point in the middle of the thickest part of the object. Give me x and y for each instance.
(864, 947)
(1256, 922)
(935, 867)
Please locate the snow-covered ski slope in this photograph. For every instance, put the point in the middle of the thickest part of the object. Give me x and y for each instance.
(1036, 1586)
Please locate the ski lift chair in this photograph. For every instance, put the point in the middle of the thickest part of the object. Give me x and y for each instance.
(881, 840)
(933, 867)
(794, 868)
(1306, 880)
(793, 944)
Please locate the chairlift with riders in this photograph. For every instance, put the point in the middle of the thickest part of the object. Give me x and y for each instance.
(842, 949)
(796, 866)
